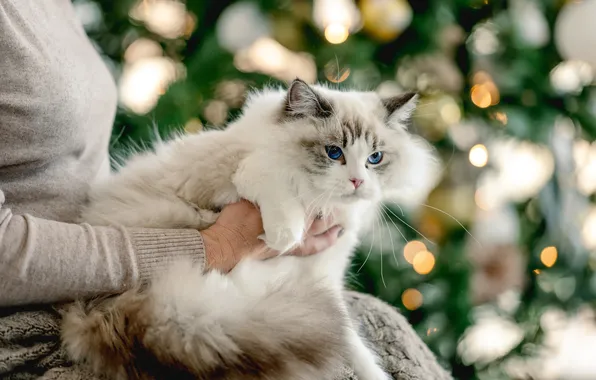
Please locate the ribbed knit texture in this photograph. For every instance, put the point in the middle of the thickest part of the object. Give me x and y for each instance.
(157, 248)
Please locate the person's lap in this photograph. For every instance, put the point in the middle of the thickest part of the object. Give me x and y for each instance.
(30, 344)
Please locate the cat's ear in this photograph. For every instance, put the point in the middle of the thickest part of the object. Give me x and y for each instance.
(400, 108)
(303, 101)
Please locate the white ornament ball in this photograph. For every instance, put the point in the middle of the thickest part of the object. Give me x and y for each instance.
(240, 25)
(531, 23)
(575, 31)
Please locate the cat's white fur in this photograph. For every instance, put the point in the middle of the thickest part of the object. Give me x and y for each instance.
(262, 157)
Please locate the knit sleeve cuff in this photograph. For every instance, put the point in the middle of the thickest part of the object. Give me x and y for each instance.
(157, 249)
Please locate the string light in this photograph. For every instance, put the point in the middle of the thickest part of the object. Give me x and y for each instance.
(478, 155)
(412, 299)
(423, 262)
(548, 256)
(412, 248)
(336, 33)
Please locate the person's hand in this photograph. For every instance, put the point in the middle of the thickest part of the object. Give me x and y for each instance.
(235, 236)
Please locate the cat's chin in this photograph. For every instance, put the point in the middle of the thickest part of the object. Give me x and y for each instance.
(353, 198)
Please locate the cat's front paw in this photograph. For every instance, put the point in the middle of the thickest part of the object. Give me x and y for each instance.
(283, 239)
(204, 219)
(208, 216)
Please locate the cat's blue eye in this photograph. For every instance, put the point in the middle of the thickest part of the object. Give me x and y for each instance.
(375, 158)
(334, 152)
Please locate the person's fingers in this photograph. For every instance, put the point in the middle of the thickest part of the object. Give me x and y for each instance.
(319, 226)
(318, 243)
(267, 253)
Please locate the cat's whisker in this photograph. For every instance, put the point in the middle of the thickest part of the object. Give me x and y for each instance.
(400, 209)
(390, 236)
(455, 219)
(337, 64)
(381, 250)
(314, 202)
(333, 189)
(396, 227)
(299, 196)
(310, 210)
(369, 250)
(404, 222)
(315, 208)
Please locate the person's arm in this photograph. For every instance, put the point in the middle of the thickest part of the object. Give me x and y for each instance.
(44, 261)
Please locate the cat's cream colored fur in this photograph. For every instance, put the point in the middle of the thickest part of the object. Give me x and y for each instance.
(277, 319)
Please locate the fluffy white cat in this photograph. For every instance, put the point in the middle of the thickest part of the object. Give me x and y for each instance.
(295, 153)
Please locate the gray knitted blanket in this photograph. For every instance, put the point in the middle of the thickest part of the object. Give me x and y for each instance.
(30, 344)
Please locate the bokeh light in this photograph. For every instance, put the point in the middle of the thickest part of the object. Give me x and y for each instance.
(484, 93)
(336, 18)
(193, 126)
(142, 48)
(216, 112)
(450, 113)
(412, 299)
(483, 199)
(423, 262)
(145, 80)
(268, 56)
(336, 33)
(167, 18)
(336, 74)
(500, 117)
(240, 25)
(478, 155)
(589, 229)
(548, 256)
(412, 248)
(480, 96)
(571, 76)
(484, 39)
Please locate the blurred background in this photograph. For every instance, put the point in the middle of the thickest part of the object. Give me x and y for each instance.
(495, 270)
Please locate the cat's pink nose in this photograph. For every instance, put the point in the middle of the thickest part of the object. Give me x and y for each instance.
(356, 182)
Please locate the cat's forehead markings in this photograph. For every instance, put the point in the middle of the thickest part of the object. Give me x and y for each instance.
(354, 129)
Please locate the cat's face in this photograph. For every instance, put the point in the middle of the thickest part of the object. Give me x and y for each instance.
(354, 146)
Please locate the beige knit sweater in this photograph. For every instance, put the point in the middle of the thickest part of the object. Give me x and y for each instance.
(57, 105)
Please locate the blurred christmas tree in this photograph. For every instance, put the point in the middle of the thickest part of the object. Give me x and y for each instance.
(504, 246)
